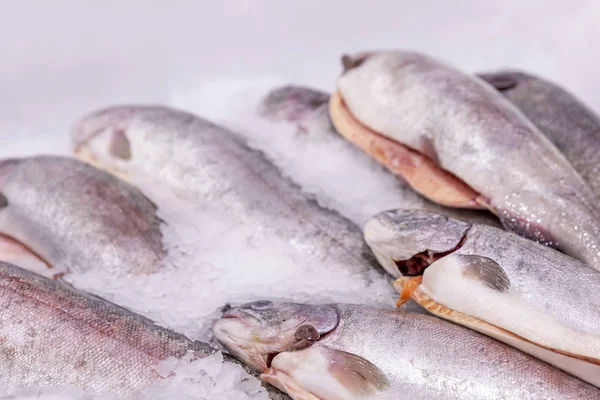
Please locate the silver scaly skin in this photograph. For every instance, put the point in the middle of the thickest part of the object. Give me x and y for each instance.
(212, 166)
(470, 130)
(566, 121)
(76, 217)
(53, 335)
(348, 352)
(308, 110)
(530, 290)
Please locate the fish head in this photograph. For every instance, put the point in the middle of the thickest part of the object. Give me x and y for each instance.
(292, 103)
(405, 242)
(102, 137)
(256, 332)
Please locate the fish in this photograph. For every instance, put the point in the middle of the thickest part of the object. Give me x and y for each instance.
(460, 143)
(571, 126)
(308, 110)
(53, 335)
(76, 217)
(349, 351)
(200, 160)
(525, 294)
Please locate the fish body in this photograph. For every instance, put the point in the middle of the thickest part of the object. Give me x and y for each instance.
(53, 335)
(526, 294)
(357, 352)
(571, 125)
(308, 110)
(77, 217)
(212, 166)
(460, 129)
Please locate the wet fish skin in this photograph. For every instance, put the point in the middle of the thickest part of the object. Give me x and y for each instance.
(407, 355)
(532, 268)
(472, 131)
(572, 126)
(54, 335)
(77, 217)
(308, 109)
(215, 168)
(556, 296)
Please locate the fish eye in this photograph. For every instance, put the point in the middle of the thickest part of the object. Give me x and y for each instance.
(261, 305)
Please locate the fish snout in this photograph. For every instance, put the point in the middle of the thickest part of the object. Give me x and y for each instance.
(291, 103)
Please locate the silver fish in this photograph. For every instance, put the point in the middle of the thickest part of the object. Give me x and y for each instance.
(77, 217)
(53, 335)
(346, 352)
(211, 165)
(308, 110)
(566, 121)
(452, 125)
(525, 294)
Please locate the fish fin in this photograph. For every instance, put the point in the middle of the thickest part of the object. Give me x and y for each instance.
(501, 81)
(119, 145)
(347, 62)
(406, 287)
(484, 270)
(356, 374)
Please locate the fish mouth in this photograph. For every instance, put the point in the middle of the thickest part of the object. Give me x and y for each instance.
(249, 350)
(416, 265)
(421, 171)
(401, 257)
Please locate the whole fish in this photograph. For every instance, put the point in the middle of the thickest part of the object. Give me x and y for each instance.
(498, 283)
(346, 352)
(423, 119)
(308, 110)
(53, 335)
(211, 165)
(76, 217)
(566, 121)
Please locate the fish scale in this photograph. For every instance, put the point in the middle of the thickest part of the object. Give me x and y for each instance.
(572, 126)
(53, 335)
(213, 167)
(389, 354)
(77, 217)
(483, 140)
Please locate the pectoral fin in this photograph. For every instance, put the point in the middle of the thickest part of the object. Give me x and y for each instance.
(482, 269)
(119, 146)
(357, 375)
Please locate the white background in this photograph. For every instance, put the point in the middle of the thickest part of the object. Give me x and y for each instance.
(61, 58)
